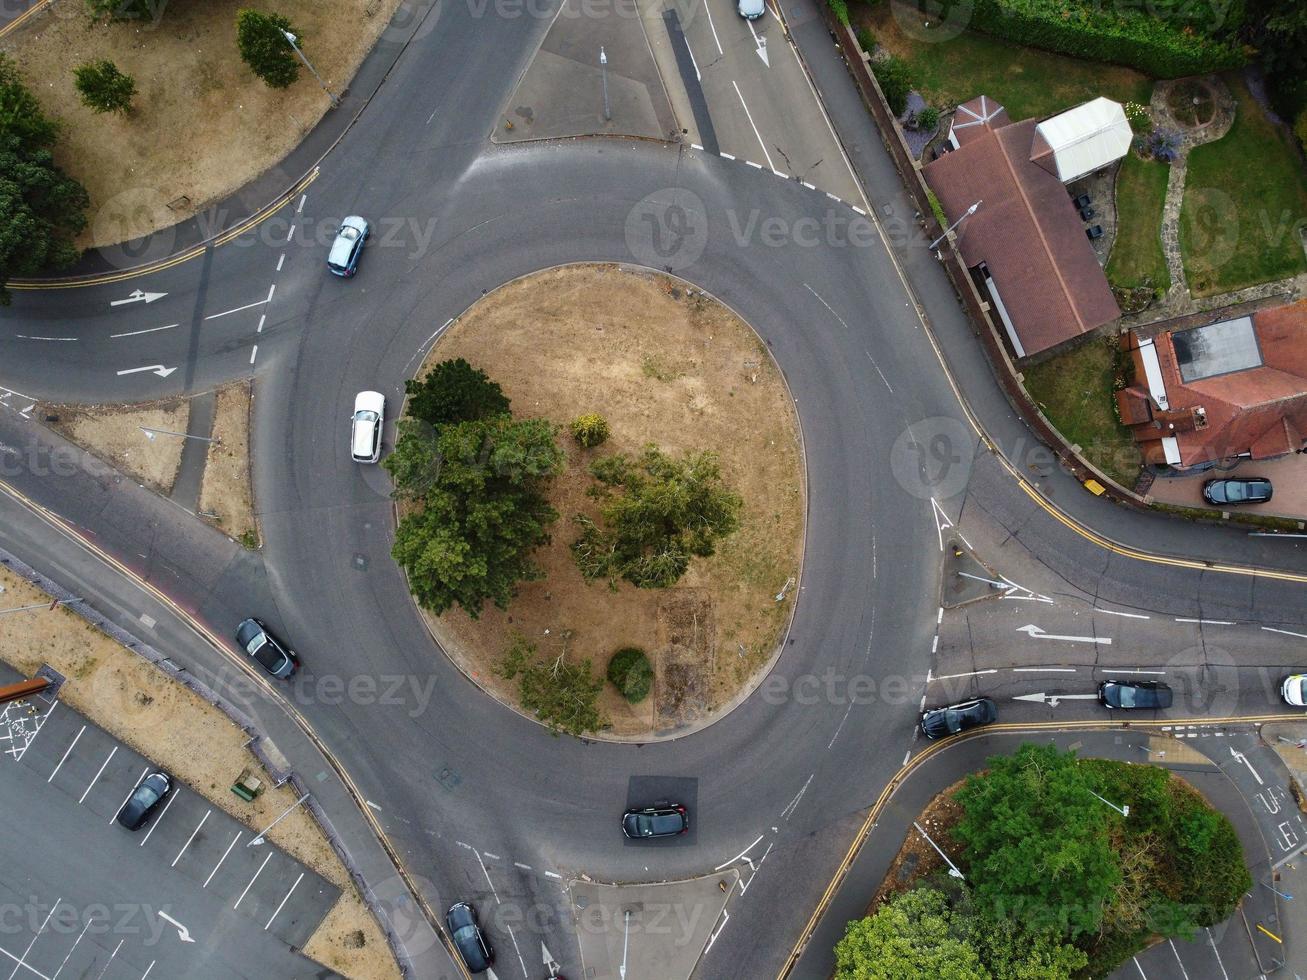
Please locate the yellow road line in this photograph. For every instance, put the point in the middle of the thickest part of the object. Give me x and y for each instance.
(30, 12)
(1269, 933)
(254, 220)
(892, 787)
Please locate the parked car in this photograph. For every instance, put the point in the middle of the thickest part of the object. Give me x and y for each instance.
(940, 722)
(465, 930)
(660, 820)
(145, 799)
(751, 9)
(343, 259)
(1294, 690)
(271, 654)
(1134, 694)
(1238, 490)
(365, 426)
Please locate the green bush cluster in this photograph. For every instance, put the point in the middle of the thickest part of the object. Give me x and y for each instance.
(103, 87)
(866, 39)
(841, 8)
(895, 80)
(1155, 45)
(631, 673)
(263, 46)
(589, 430)
(562, 695)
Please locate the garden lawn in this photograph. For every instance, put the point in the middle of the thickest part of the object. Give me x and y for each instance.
(1075, 390)
(1028, 82)
(1244, 197)
(1137, 258)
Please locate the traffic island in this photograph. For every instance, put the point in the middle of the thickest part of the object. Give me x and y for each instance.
(650, 361)
(653, 930)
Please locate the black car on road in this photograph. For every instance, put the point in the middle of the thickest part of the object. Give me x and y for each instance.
(271, 654)
(1237, 490)
(461, 920)
(939, 722)
(1134, 694)
(145, 799)
(660, 820)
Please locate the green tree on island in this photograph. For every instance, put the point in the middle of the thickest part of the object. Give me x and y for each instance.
(454, 391)
(261, 39)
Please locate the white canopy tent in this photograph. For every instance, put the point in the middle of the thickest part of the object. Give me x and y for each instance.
(1083, 139)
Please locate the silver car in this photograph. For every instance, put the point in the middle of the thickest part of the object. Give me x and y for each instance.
(343, 259)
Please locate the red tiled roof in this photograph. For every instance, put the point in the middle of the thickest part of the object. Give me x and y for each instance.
(1027, 233)
(1262, 410)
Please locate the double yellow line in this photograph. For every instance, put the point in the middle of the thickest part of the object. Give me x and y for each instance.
(897, 780)
(29, 12)
(260, 216)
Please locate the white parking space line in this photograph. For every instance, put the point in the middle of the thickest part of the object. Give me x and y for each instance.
(81, 799)
(129, 792)
(148, 969)
(1217, 953)
(190, 838)
(716, 40)
(1139, 968)
(20, 724)
(156, 823)
(284, 900)
(35, 973)
(748, 115)
(221, 859)
(1207, 622)
(974, 673)
(247, 306)
(1133, 670)
(1177, 959)
(67, 753)
(1043, 670)
(34, 939)
(266, 858)
(137, 333)
(513, 936)
(254, 353)
(69, 954)
(1272, 629)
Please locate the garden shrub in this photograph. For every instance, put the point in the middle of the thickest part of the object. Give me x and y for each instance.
(631, 673)
(841, 8)
(590, 430)
(866, 39)
(895, 82)
(928, 119)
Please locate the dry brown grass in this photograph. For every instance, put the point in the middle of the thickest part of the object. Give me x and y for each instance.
(112, 432)
(225, 491)
(162, 720)
(668, 367)
(203, 124)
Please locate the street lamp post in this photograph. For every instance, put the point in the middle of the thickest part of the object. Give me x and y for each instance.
(291, 38)
(626, 922)
(285, 813)
(1123, 810)
(151, 433)
(965, 214)
(952, 868)
(603, 70)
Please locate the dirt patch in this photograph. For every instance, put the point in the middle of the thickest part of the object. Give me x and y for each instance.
(113, 433)
(916, 858)
(668, 365)
(164, 721)
(225, 494)
(203, 124)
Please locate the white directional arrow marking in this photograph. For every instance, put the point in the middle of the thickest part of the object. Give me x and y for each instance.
(183, 933)
(761, 42)
(137, 296)
(1038, 633)
(548, 958)
(941, 521)
(1052, 699)
(158, 369)
(1244, 759)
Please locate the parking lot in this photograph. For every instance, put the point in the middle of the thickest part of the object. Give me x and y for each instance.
(187, 895)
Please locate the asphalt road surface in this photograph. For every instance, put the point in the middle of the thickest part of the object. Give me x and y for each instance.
(479, 803)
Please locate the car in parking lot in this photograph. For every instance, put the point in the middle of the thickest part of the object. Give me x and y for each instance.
(270, 653)
(1294, 690)
(365, 426)
(659, 820)
(145, 799)
(343, 259)
(939, 722)
(1134, 694)
(1237, 490)
(465, 930)
(750, 9)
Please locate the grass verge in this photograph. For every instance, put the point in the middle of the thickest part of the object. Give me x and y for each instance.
(1137, 258)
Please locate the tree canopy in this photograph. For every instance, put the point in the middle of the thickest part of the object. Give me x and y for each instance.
(658, 513)
(911, 937)
(562, 694)
(104, 88)
(482, 508)
(454, 391)
(263, 46)
(41, 207)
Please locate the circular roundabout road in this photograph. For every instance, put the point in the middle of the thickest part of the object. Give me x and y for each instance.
(453, 773)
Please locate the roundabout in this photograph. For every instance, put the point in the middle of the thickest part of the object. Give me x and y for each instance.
(905, 434)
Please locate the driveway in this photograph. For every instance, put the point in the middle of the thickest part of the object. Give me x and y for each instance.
(185, 896)
(1288, 476)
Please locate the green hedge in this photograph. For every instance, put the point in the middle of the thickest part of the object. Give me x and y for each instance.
(1127, 37)
(631, 673)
